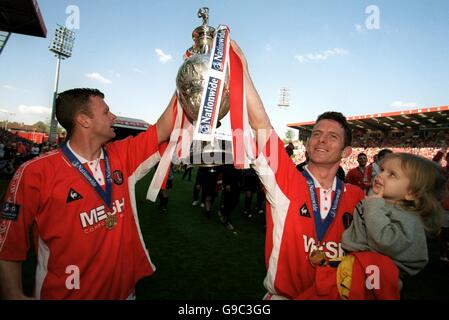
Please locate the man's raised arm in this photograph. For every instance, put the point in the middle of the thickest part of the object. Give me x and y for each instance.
(258, 118)
(164, 124)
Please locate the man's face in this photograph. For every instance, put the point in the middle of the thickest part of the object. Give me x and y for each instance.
(326, 144)
(362, 160)
(102, 119)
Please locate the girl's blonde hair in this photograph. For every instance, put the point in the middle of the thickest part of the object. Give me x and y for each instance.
(428, 185)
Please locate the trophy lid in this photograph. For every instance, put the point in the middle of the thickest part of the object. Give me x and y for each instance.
(203, 35)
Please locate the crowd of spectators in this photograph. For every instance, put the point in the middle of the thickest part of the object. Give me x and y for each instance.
(426, 145)
(15, 150)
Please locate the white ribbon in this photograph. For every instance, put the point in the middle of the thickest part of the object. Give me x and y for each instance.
(164, 164)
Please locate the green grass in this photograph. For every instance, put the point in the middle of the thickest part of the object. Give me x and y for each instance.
(197, 258)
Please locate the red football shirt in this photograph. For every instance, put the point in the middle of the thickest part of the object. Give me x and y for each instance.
(290, 234)
(77, 256)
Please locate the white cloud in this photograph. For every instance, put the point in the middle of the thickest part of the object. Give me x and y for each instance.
(98, 77)
(321, 56)
(401, 104)
(5, 111)
(138, 70)
(34, 110)
(163, 57)
(8, 87)
(268, 47)
(26, 114)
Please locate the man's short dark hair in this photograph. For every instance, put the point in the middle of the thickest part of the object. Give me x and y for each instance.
(341, 119)
(362, 154)
(71, 102)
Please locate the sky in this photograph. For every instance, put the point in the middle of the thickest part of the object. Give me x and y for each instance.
(354, 56)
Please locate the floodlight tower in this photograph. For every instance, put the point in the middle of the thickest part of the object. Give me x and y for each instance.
(284, 98)
(61, 46)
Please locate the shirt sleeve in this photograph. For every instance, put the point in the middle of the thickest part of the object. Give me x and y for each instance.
(276, 171)
(139, 153)
(19, 209)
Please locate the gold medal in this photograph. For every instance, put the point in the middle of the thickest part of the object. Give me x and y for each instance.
(111, 222)
(318, 258)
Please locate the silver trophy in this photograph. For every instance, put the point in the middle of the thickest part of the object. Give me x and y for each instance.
(190, 82)
(192, 74)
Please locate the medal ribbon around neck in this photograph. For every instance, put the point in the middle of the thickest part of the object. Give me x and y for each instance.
(106, 196)
(321, 225)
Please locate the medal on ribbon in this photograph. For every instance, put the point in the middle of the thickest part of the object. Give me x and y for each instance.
(317, 257)
(105, 195)
(110, 222)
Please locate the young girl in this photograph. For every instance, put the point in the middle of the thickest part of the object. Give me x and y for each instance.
(405, 204)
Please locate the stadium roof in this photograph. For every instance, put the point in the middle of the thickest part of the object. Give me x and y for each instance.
(433, 118)
(130, 123)
(22, 16)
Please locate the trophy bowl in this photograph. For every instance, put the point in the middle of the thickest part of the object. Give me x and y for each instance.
(190, 82)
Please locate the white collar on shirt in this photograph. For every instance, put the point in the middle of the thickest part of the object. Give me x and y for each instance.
(80, 158)
(317, 183)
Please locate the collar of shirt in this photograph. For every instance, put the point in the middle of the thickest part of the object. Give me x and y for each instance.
(325, 197)
(94, 165)
(317, 184)
(80, 158)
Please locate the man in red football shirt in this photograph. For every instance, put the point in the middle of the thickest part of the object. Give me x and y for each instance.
(307, 212)
(360, 176)
(80, 202)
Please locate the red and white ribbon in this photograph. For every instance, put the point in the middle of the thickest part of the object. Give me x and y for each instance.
(243, 143)
(206, 122)
(164, 163)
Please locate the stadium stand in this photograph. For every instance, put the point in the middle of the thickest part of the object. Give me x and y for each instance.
(125, 127)
(22, 16)
(419, 131)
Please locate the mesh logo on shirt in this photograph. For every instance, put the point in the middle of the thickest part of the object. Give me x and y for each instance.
(332, 249)
(95, 218)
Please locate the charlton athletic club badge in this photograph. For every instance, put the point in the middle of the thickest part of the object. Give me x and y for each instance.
(117, 177)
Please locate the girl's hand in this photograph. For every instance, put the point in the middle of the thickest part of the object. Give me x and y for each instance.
(378, 191)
